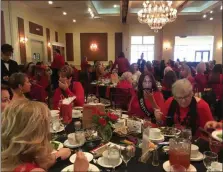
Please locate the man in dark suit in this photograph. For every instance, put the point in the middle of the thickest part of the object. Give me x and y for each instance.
(141, 63)
(8, 66)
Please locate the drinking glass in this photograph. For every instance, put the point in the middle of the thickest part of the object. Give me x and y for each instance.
(209, 158)
(77, 125)
(177, 168)
(127, 153)
(186, 133)
(215, 146)
(118, 112)
(113, 156)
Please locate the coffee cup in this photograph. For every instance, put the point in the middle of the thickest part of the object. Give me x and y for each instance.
(110, 159)
(105, 157)
(194, 151)
(80, 137)
(154, 133)
(56, 125)
(72, 138)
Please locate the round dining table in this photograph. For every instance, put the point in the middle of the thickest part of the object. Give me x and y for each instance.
(134, 165)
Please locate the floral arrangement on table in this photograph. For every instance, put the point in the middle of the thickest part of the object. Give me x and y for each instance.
(104, 122)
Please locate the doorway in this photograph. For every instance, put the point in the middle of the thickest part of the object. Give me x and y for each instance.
(202, 55)
(37, 51)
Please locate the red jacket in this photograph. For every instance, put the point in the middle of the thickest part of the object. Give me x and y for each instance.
(58, 62)
(77, 90)
(123, 64)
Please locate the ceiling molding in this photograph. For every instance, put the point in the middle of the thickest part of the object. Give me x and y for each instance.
(124, 10)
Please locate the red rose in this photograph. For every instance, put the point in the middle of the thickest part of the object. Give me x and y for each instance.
(102, 121)
(113, 117)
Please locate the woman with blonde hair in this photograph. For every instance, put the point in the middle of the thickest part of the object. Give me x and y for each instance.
(25, 138)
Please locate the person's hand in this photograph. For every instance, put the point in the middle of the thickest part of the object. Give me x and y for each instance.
(64, 153)
(148, 95)
(213, 125)
(63, 86)
(158, 114)
(81, 163)
(5, 78)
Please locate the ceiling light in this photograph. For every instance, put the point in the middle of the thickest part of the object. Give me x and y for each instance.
(89, 10)
(211, 12)
(204, 16)
(211, 18)
(50, 2)
(221, 7)
(64, 13)
(115, 6)
(74, 20)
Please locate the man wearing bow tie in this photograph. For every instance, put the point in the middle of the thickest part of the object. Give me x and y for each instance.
(8, 66)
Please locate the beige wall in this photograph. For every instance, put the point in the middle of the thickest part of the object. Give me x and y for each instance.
(178, 28)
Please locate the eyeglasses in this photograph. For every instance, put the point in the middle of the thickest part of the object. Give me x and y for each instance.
(183, 98)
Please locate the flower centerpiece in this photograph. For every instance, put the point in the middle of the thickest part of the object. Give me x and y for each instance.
(104, 122)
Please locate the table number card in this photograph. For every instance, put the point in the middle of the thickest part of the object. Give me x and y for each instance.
(134, 126)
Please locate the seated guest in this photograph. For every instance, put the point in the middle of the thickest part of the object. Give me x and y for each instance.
(148, 68)
(123, 64)
(25, 138)
(186, 73)
(125, 81)
(167, 69)
(201, 78)
(147, 99)
(67, 88)
(168, 80)
(135, 74)
(30, 70)
(5, 96)
(109, 67)
(19, 83)
(185, 109)
(100, 71)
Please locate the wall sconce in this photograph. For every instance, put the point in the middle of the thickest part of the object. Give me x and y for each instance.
(94, 47)
(166, 45)
(219, 45)
(23, 39)
(49, 44)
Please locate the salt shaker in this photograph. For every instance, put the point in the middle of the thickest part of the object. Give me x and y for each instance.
(155, 161)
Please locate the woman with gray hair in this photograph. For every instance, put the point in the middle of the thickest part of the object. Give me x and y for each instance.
(125, 81)
(185, 109)
(201, 78)
(186, 73)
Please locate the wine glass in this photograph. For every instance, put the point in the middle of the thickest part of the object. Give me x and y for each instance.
(127, 153)
(186, 133)
(177, 168)
(214, 145)
(113, 156)
(209, 157)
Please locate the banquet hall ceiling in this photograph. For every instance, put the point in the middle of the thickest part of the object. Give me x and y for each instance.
(110, 10)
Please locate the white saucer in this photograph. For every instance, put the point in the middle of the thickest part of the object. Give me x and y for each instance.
(57, 131)
(70, 168)
(67, 144)
(161, 139)
(89, 157)
(215, 135)
(199, 157)
(101, 163)
(78, 108)
(166, 167)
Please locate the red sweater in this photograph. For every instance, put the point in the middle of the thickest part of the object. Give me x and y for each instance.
(135, 109)
(201, 81)
(126, 85)
(203, 112)
(123, 64)
(77, 91)
(58, 62)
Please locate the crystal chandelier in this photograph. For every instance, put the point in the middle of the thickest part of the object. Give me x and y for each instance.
(156, 14)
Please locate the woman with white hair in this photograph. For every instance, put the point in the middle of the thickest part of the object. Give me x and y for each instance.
(201, 78)
(186, 73)
(185, 109)
(125, 81)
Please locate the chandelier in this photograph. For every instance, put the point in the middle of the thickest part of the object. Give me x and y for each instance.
(156, 14)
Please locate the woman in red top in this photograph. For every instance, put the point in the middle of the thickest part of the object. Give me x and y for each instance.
(147, 99)
(186, 73)
(168, 80)
(126, 82)
(67, 88)
(185, 109)
(148, 68)
(30, 70)
(201, 78)
(123, 64)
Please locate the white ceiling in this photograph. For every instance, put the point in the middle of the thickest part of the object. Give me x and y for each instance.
(78, 9)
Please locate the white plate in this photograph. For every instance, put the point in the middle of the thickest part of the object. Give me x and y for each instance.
(125, 116)
(57, 131)
(166, 167)
(59, 147)
(101, 163)
(215, 133)
(78, 108)
(70, 168)
(67, 144)
(89, 157)
(166, 135)
(161, 139)
(198, 158)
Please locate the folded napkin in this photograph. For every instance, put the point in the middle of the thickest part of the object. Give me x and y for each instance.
(68, 100)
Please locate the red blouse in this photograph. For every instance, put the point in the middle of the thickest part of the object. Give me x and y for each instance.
(27, 167)
(123, 64)
(203, 112)
(126, 85)
(77, 90)
(58, 62)
(135, 109)
(201, 82)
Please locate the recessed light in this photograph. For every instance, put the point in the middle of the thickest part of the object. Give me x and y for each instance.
(204, 16)
(115, 6)
(64, 13)
(211, 18)
(74, 20)
(50, 2)
(211, 12)
(221, 7)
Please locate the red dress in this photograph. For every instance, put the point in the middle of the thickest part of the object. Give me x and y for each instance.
(123, 64)
(58, 62)
(201, 82)
(203, 112)
(27, 167)
(126, 85)
(77, 90)
(135, 109)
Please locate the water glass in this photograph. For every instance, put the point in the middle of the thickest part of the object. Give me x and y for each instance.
(113, 156)
(186, 134)
(209, 158)
(127, 153)
(177, 168)
(77, 125)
